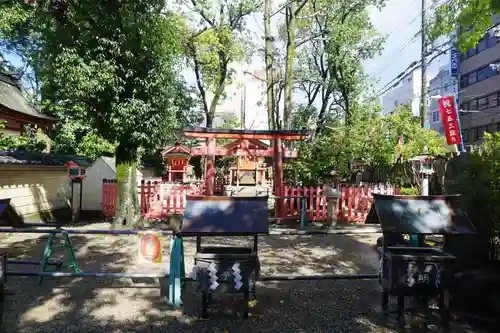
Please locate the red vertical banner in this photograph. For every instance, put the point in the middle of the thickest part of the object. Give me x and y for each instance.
(449, 118)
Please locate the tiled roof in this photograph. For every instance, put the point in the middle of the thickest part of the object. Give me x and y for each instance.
(11, 97)
(33, 158)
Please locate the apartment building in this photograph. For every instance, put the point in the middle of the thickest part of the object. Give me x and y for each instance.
(443, 84)
(406, 93)
(479, 89)
(244, 99)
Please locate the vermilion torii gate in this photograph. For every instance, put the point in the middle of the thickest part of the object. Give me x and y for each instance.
(244, 136)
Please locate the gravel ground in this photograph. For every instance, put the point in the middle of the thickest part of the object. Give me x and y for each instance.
(94, 305)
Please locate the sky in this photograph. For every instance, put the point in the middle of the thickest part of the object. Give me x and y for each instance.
(399, 21)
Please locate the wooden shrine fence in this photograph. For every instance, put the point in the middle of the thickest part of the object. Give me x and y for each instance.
(159, 199)
(353, 204)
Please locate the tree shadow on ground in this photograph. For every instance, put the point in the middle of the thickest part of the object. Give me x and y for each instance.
(117, 305)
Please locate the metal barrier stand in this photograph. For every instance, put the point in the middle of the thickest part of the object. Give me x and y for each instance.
(176, 278)
(48, 252)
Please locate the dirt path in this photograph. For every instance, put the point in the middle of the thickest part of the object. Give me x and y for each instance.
(94, 305)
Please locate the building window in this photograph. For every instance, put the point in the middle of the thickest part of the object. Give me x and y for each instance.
(473, 134)
(483, 103)
(485, 43)
(493, 100)
(464, 80)
(482, 45)
(485, 73)
(480, 132)
(479, 75)
(472, 78)
(473, 105)
(436, 117)
(471, 52)
(492, 41)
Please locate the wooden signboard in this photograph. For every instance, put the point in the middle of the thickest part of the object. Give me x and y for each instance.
(225, 215)
(421, 214)
(8, 215)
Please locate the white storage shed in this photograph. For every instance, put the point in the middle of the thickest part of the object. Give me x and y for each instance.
(103, 168)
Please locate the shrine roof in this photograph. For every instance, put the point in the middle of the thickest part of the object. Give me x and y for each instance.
(13, 100)
(256, 143)
(203, 132)
(177, 149)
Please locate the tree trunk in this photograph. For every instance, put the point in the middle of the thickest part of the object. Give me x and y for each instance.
(269, 65)
(127, 204)
(290, 56)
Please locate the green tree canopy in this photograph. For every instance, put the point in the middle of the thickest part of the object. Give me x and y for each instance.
(471, 18)
(370, 137)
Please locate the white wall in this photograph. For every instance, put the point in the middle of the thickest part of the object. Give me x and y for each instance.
(92, 184)
(35, 189)
(407, 93)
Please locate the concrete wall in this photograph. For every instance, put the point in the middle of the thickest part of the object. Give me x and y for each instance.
(36, 191)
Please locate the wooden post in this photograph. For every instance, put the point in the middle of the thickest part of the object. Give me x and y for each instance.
(278, 177)
(210, 167)
(238, 172)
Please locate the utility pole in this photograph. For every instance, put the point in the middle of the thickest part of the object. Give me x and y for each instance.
(423, 55)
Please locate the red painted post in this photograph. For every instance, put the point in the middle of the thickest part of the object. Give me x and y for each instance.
(113, 198)
(324, 201)
(183, 192)
(169, 199)
(210, 168)
(278, 176)
(175, 193)
(318, 202)
(162, 198)
(143, 197)
(286, 201)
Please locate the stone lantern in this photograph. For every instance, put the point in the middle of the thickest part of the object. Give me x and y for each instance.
(424, 167)
(332, 194)
(358, 166)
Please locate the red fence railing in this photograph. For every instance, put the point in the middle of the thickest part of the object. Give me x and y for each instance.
(353, 204)
(315, 203)
(158, 199)
(355, 201)
(109, 197)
